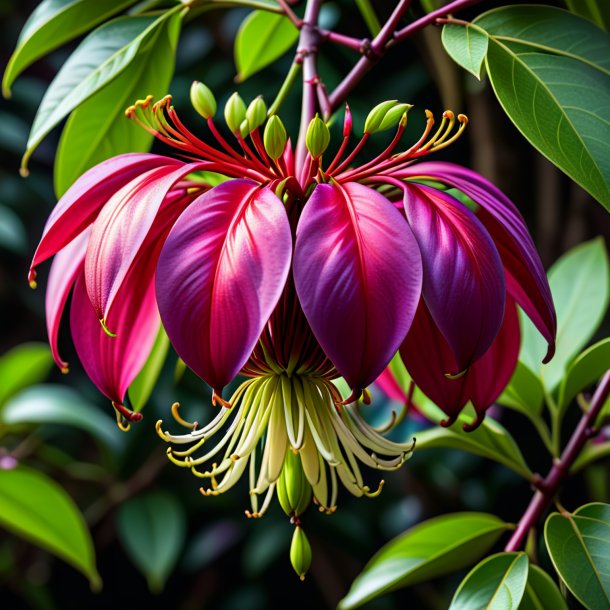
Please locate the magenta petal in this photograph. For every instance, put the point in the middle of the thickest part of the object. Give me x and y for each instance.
(526, 279)
(220, 274)
(83, 200)
(66, 267)
(112, 363)
(357, 272)
(388, 384)
(121, 229)
(463, 283)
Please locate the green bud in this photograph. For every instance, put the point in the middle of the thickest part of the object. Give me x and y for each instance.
(393, 116)
(376, 116)
(300, 553)
(275, 137)
(244, 128)
(256, 113)
(293, 488)
(317, 137)
(235, 112)
(203, 100)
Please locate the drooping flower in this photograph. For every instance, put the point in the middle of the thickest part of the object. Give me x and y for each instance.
(292, 276)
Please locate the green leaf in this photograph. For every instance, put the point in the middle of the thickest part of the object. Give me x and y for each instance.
(497, 583)
(54, 404)
(152, 528)
(591, 452)
(597, 11)
(52, 24)
(579, 283)
(98, 128)
(22, 366)
(584, 370)
(466, 45)
(37, 509)
(142, 386)
(541, 592)
(524, 392)
(490, 440)
(439, 546)
(99, 59)
(550, 71)
(579, 547)
(262, 38)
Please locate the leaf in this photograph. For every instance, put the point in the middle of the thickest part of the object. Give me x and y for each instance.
(435, 547)
(24, 365)
(262, 38)
(497, 583)
(524, 392)
(100, 58)
(597, 11)
(584, 370)
(466, 45)
(549, 70)
(142, 386)
(52, 24)
(490, 440)
(37, 509)
(541, 592)
(579, 547)
(98, 128)
(579, 283)
(53, 404)
(152, 529)
(591, 452)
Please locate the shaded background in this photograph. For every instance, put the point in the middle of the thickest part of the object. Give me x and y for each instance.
(226, 561)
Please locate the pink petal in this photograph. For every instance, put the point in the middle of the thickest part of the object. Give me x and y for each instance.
(83, 200)
(463, 284)
(357, 271)
(220, 274)
(388, 384)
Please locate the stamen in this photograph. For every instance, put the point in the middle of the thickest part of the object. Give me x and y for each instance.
(178, 418)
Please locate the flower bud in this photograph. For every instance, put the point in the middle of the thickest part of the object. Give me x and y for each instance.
(347, 122)
(293, 489)
(393, 116)
(256, 113)
(203, 100)
(317, 137)
(376, 116)
(300, 553)
(244, 128)
(275, 137)
(235, 112)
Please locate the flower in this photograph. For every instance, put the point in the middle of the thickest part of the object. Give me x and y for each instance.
(292, 275)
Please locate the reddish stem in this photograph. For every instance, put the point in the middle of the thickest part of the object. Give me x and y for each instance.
(561, 468)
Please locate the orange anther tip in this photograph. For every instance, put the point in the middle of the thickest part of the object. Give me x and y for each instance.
(33, 284)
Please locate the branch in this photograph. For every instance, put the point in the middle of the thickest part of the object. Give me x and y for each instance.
(561, 468)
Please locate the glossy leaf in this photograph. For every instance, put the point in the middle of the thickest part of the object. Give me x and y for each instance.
(262, 38)
(52, 24)
(579, 546)
(37, 509)
(597, 11)
(152, 529)
(467, 46)
(497, 583)
(90, 135)
(24, 365)
(580, 285)
(524, 392)
(439, 546)
(549, 70)
(490, 440)
(541, 592)
(100, 58)
(54, 404)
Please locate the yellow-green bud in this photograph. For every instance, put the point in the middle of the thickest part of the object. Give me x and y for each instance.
(275, 137)
(256, 113)
(317, 137)
(393, 116)
(235, 112)
(244, 128)
(293, 488)
(203, 100)
(300, 553)
(376, 116)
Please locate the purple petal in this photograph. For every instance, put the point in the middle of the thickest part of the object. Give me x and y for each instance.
(463, 284)
(81, 203)
(357, 271)
(220, 274)
(526, 280)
